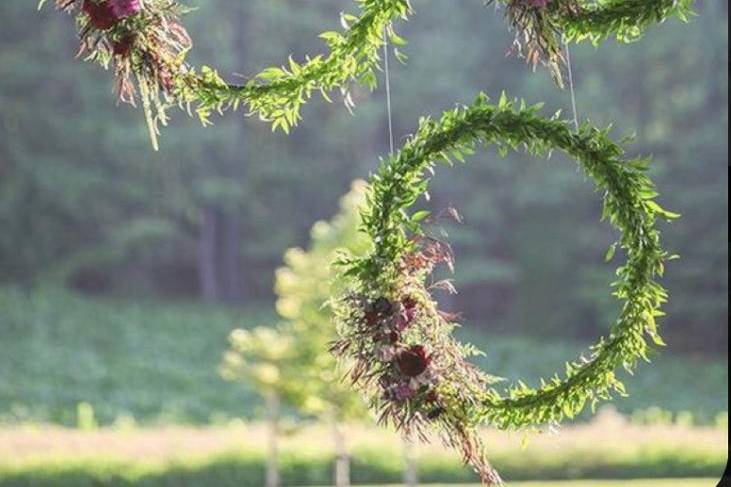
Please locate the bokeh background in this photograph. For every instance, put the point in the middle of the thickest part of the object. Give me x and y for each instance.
(123, 271)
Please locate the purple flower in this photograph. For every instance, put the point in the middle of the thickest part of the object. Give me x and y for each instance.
(125, 8)
(402, 392)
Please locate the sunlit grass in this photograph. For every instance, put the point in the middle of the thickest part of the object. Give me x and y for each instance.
(599, 483)
(609, 438)
(235, 454)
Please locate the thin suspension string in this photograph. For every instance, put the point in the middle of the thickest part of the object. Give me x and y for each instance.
(571, 86)
(387, 72)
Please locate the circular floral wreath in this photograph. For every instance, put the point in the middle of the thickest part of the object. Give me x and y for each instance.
(146, 45)
(400, 344)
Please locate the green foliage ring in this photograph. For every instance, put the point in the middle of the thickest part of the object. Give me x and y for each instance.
(390, 326)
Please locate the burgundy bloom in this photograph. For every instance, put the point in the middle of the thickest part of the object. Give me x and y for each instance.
(409, 302)
(414, 361)
(432, 397)
(125, 8)
(394, 337)
(377, 310)
(124, 46)
(371, 317)
(100, 14)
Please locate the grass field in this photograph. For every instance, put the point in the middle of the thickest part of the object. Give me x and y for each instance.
(156, 363)
(234, 456)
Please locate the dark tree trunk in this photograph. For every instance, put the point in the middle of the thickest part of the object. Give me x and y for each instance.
(207, 255)
(230, 259)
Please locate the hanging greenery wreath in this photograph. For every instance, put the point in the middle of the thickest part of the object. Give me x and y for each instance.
(146, 45)
(404, 355)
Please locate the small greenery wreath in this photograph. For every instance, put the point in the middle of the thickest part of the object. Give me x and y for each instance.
(146, 45)
(400, 344)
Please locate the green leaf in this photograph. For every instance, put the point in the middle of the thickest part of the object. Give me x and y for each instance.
(420, 215)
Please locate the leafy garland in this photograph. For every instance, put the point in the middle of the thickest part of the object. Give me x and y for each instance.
(403, 353)
(147, 46)
(143, 39)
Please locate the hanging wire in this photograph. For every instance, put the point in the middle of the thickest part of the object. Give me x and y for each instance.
(387, 72)
(410, 474)
(571, 86)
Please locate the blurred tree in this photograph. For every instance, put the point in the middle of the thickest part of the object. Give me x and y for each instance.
(304, 286)
(265, 358)
(309, 375)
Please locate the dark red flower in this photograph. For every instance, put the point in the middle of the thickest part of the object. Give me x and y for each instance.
(377, 310)
(100, 14)
(371, 317)
(409, 302)
(414, 361)
(394, 337)
(383, 306)
(432, 396)
(123, 46)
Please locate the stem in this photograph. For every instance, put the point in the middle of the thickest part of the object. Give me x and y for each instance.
(147, 108)
(272, 472)
(342, 459)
